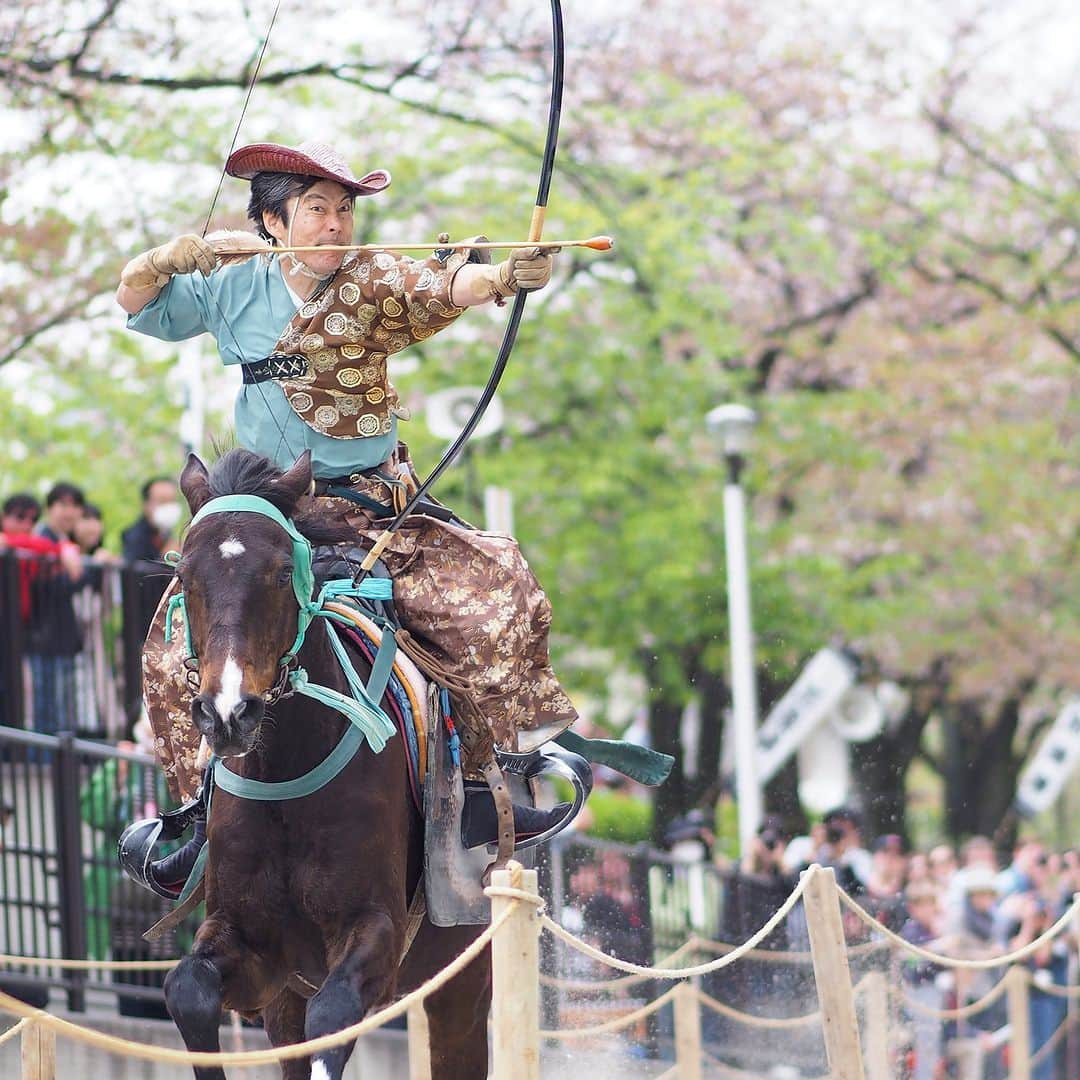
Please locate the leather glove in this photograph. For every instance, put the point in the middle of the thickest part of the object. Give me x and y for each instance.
(184, 255)
(526, 268)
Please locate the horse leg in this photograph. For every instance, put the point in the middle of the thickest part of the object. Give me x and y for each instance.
(284, 1021)
(362, 978)
(197, 988)
(457, 1023)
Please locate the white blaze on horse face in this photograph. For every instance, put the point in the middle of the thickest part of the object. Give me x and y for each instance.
(231, 548)
(319, 1071)
(228, 697)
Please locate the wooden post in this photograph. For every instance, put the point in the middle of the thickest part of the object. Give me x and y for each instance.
(1019, 1024)
(687, 1032)
(877, 1026)
(38, 1052)
(515, 979)
(419, 1044)
(835, 997)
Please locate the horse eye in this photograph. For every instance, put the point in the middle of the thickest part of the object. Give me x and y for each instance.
(285, 577)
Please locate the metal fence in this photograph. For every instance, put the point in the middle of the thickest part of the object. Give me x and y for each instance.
(64, 803)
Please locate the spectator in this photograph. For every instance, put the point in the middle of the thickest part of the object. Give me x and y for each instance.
(1028, 864)
(942, 860)
(977, 860)
(844, 850)
(768, 849)
(19, 515)
(147, 540)
(97, 704)
(53, 639)
(885, 889)
(1032, 916)
(923, 928)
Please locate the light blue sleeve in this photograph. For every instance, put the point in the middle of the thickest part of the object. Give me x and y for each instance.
(180, 311)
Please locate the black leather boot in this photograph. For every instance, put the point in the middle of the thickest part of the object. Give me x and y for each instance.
(480, 821)
(172, 872)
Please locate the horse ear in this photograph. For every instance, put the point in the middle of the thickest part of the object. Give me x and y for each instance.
(195, 483)
(297, 481)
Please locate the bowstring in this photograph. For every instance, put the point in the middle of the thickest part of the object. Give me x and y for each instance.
(284, 440)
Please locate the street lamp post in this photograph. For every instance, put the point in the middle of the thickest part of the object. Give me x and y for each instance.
(734, 424)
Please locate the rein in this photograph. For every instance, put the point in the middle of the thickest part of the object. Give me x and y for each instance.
(367, 720)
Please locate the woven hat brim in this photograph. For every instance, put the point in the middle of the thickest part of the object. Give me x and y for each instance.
(269, 157)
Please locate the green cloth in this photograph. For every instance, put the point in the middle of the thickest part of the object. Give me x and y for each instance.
(638, 762)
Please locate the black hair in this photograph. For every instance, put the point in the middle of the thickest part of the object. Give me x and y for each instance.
(64, 490)
(89, 510)
(145, 489)
(271, 192)
(20, 502)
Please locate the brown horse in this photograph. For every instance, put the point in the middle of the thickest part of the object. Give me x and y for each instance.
(313, 891)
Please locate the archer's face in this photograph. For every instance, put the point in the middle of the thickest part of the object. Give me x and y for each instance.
(321, 215)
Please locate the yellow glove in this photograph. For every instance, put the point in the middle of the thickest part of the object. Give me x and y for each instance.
(184, 255)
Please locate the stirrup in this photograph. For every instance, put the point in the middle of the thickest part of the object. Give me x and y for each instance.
(550, 760)
(135, 849)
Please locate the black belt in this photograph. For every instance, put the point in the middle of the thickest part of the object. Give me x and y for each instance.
(275, 366)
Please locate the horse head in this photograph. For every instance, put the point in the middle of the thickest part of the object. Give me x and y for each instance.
(236, 570)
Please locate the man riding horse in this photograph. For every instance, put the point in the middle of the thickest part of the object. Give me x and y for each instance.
(313, 332)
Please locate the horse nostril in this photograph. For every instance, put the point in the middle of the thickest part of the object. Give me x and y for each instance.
(203, 713)
(247, 713)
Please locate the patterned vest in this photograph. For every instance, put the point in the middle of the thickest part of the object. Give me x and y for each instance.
(339, 340)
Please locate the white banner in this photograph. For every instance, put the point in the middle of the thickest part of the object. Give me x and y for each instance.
(815, 694)
(1058, 754)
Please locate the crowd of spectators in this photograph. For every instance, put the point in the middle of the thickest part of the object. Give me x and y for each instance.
(963, 903)
(61, 599)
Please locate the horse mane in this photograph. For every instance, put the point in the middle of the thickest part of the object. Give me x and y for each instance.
(241, 472)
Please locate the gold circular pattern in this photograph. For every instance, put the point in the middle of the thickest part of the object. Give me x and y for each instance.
(375, 395)
(335, 323)
(368, 425)
(326, 416)
(352, 352)
(392, 308)
(349, 293)
(312, 343)
(349, 376)
(301, 402)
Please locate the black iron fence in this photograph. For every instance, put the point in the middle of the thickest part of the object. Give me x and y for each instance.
(64, 802)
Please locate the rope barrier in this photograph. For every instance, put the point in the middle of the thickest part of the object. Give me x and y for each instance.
(948, 961)
(960, 1013)
(779, 1022)
(780, 956)
(683, 973)
(116, 1045)
(1047, 1047)
(88, 965)
(14, 1030)
(603, 986)
(1056, 990)
(615, 1024)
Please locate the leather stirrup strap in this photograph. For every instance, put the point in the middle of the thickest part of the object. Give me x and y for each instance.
(504, 810)
(178, 913)
(414, 919)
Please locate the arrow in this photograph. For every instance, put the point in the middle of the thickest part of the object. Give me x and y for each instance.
(595, 243)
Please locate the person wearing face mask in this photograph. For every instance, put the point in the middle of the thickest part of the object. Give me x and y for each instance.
(312, 332)
(148, 538)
